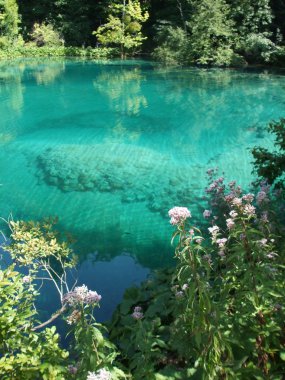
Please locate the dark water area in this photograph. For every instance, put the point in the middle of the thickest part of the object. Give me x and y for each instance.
(110, 147)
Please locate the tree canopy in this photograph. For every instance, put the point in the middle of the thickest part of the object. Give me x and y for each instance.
(207, 32)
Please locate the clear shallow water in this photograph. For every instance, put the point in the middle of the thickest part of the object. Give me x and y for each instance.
(110, 147)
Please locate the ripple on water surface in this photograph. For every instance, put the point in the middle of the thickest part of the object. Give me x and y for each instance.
(110, 147)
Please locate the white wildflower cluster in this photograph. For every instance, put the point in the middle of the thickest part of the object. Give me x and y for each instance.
(214, 232)
(178, 215)
(102, 374)
(248, 197)
(221, 242)
(81, 294)
(249, 210)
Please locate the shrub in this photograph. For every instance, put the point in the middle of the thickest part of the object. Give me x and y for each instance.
(172, 45)
(45, 35)
(271, 165)
(27, 354)
(278, 56)
(258, 49)
(30, 50)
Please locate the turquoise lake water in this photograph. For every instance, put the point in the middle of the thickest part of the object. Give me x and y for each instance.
(110, 147)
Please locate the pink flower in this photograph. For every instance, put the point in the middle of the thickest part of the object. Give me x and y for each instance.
(92, 297)
(264, 217)
(263, 242)
(221, 242)
(207, 213)
(230, 223)
(212, 186)
(261, 197)
(237, 201)
(213, 230)
(137, 314)
(233, 214)
(272, 255)
(179, 294)
(27, 279)
(210, 171)
(249, 210)
(72, 369)
(248, 197)
(82, 294)
(229, 197)
(178, 215)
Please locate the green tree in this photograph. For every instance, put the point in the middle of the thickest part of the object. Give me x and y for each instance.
(9, 22)
(251, 16)
(123, 27)
(212, 32)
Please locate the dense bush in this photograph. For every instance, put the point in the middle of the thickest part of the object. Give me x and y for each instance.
(25, 354)
(33, 51)
(172, 44)
(271, 165)
(45, 35)
(258, 48)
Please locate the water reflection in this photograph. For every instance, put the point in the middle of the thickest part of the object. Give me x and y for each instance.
(123, 90)
(48, 73)
(110, 148)
(14, 77)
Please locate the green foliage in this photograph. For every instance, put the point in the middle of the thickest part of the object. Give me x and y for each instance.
(90, 347)
(30, 355)
(203, 32)
(207, 40)
(278, 56)
(25, 354)
(172, 45)
(271, 165)
(45, 35)
(258, 48)
(211, 33)
(251, 17)
(148, 338)
(33, 51)
(123, 27)
(220, 315)
(9, 22)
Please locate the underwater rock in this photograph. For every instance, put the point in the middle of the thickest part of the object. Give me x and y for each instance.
(136, 173)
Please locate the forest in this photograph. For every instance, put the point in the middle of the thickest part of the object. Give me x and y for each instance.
(183, 32)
